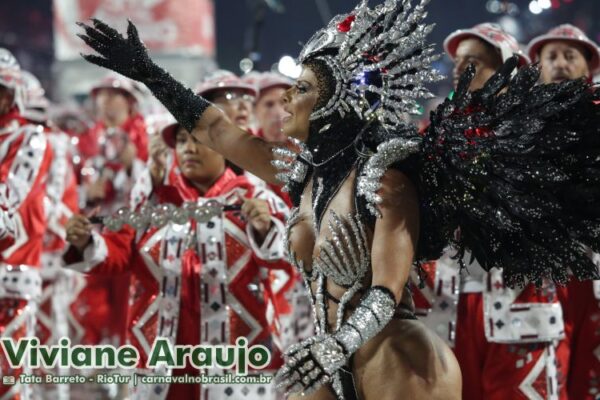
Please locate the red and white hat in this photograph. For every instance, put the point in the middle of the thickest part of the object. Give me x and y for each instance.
(116, 81)
(168, 134)
(267, 80)
(490, 33)
(224, 80)
(36, 103)
(157, 121)
(11, 76)
(566, 32)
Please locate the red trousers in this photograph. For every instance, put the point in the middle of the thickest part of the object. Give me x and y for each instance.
(584, 314)
(101, 308)
(498, 371)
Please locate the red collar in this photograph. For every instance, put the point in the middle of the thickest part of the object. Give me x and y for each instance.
(10, 116)
(190, 192)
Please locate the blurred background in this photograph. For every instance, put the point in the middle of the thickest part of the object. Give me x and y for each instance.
(193, 37)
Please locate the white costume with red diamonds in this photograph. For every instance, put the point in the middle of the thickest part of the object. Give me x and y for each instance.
(508, 342)
(198, 284)
(24, 162)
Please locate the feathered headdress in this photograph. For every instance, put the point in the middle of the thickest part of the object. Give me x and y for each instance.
(379, 58)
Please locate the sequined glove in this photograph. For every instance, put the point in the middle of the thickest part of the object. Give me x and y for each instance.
(129, 57)
(288, 163)
(313, 362)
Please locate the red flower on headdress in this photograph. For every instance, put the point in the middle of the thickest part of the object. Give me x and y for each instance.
(346, 24)
(477, 133)
(371, 57)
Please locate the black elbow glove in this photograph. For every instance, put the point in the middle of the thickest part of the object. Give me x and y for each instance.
(129, 57)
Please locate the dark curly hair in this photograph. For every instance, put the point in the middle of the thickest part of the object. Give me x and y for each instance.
(325, 79)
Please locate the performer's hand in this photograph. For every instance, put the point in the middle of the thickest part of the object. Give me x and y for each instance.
(285, 160)
(158, 158)
(303, 371)
(127, 56)
(257, 212)
(128, 155)
(316, 360)
(79, 231)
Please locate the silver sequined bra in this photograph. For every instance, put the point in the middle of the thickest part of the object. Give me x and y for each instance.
(344, 258)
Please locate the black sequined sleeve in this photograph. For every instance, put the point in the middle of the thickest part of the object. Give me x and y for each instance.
(186, 106)
(129, 57)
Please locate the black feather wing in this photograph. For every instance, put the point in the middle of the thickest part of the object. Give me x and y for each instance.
(515, 167)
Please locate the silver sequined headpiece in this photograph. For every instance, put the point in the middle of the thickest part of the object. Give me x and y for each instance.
(389, 41)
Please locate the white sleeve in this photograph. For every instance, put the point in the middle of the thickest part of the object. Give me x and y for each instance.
(23, 172)
(142, 189)
(25, 167)
(95, 253)
(8, 227)
(272, 247)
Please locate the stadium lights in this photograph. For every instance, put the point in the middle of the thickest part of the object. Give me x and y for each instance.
(288, 67)
(545, 4)
(535, 7)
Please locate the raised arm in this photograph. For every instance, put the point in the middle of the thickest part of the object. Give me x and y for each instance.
(129, 57)
(94, 253)
(249, 152)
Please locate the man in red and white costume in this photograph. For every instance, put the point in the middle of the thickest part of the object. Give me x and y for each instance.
(195, 283)
(113, 157)
(25, 157)
(60, 204)
(115, 150)
(565, 52)
(235, 97)
(509, 342)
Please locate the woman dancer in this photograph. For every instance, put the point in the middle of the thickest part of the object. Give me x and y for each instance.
(371, 194)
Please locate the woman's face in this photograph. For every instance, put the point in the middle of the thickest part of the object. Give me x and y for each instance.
(197, 162)
(299, 103)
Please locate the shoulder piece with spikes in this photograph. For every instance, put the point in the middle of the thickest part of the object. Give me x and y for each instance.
(379, 53)
(388, 153)
(289, 163)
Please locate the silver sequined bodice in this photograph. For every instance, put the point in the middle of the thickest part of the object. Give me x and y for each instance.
(344, 258)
